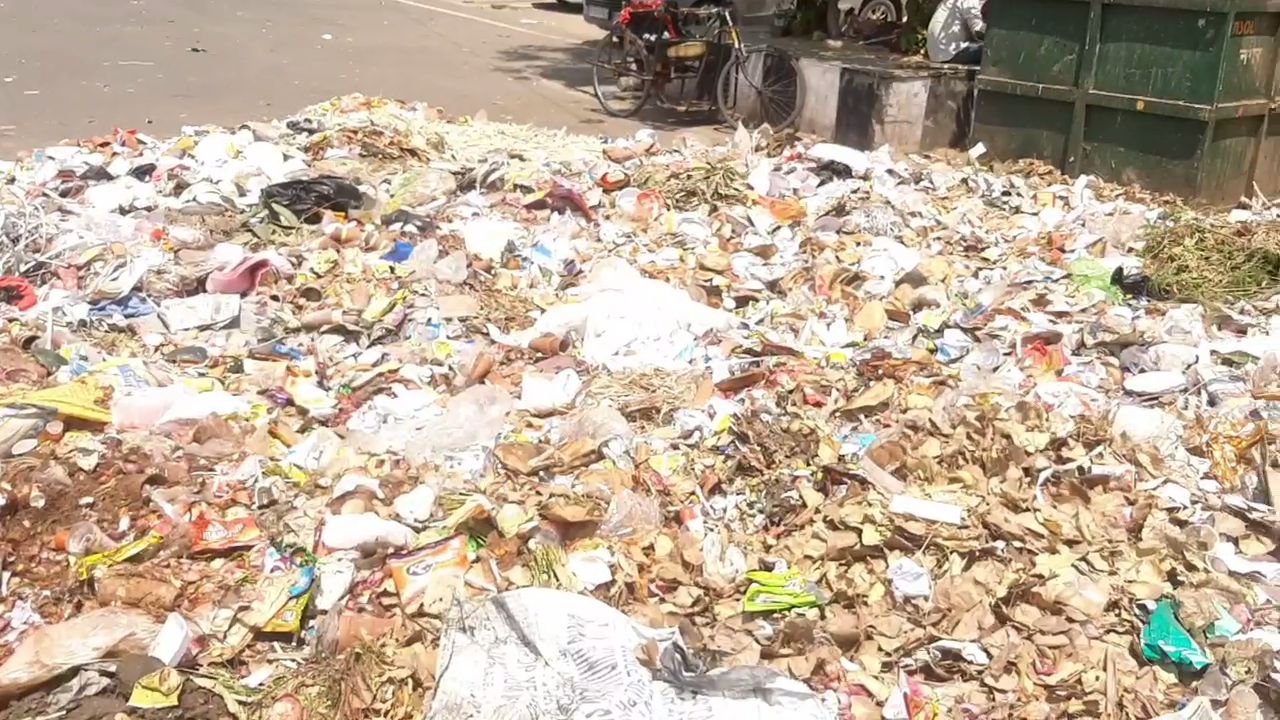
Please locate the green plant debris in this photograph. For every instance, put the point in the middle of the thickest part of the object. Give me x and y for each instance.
(687, 187)
(1195, 258)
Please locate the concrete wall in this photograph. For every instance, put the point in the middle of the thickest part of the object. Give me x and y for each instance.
(866, 106)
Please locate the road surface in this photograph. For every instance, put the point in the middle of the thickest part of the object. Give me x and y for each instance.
(76, 68)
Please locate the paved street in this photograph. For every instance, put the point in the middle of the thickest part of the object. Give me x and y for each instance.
(74, 68)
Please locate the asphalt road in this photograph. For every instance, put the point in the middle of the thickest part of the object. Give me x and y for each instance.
(76, 68)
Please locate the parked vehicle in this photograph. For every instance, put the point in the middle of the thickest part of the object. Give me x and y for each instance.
(844, 18)
(657, 47)
(856, 18)
(603, 13)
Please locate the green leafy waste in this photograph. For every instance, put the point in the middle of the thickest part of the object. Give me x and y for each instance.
(1212, 261)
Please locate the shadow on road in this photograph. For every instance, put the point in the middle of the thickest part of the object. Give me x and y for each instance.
(568, 8)
(570, 66)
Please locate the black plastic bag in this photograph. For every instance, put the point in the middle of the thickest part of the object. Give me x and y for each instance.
(143, 172)
(409, 221)
(307, 199)
(1136, 283)
(96, 173)
(304, 126)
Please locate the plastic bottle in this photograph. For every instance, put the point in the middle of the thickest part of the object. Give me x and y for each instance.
(83, 538)
(986, 300)
(452, 269)
(424, 258)
(986, 356)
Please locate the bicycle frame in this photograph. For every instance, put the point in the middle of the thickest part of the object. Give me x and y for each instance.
(722, 25)
(661, 45)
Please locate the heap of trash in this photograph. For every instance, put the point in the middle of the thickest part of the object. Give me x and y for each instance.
(374, 413)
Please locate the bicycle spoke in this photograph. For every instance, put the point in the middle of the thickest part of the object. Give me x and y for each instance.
(620, 81)
(781, 110)
(762, 87)
(784, 87)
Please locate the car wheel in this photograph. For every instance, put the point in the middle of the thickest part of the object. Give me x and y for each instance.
(844, 23)
(885, 11)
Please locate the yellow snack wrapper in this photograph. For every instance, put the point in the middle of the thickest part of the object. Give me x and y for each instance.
(159, 689)
(289, 619)
(81, 399)
(86, 565)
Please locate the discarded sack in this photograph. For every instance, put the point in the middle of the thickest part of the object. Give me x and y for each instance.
(540, 653)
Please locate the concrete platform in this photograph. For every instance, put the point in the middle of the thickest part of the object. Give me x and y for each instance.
(866, 98)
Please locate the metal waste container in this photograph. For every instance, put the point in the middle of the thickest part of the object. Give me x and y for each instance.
(1174, 95)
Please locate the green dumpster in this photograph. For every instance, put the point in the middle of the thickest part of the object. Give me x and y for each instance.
(1174, 95)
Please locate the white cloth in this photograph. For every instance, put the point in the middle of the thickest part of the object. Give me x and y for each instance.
(955, 24)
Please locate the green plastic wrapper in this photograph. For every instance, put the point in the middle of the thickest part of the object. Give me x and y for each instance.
(1164, 639)
(1224, 627)
(1092, 275)
(771, 592)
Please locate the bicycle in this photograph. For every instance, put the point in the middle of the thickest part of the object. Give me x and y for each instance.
(655, 44)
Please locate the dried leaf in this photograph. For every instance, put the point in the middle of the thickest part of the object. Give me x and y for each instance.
(871, 318)
(873, 397)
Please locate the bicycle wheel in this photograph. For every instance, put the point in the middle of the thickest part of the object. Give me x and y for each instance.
(620, 75)
(760, 87)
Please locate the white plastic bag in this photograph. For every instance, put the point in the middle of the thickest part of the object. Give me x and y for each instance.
(51, 650)
(347, 532)
(627, 321)
(472, 417)
(581, 653)
(543, 393)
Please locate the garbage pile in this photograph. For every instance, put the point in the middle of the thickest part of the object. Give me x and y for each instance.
(376, 413)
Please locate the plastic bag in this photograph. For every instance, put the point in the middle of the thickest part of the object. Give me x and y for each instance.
(17, 292)
(347, 532)
(857, 162)
(600, 423)
(724, 565)
(452, 268)
(244, 276)
(774, 591)
(543, 393)
(1164, 639)
(630, 322)
(144, 408)
(474, 416)
(586, 655)
(489, 238)
(1089, 274)
(52, 650)
(307, 198)
(630, 515)
(416, 506)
